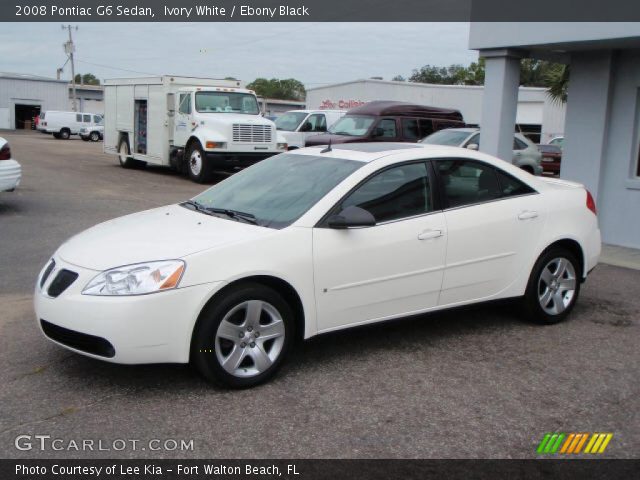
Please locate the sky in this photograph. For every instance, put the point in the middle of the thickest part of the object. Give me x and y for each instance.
(314, 53)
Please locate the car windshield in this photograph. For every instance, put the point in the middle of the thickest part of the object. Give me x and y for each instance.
(452, 138)
(290, 121)
(226, 102)
(355, 126)
(280, 189)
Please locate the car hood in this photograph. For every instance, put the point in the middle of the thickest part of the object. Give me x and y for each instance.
(325, 138)
(159, 234)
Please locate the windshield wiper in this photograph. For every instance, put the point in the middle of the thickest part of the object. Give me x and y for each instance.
(196, 206)
(235, 214)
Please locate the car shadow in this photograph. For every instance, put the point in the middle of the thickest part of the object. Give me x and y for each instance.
(331, 348)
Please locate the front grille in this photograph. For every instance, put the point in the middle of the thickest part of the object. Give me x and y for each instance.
(251, 133)
(79, 341)
(62, 281)
(47, 272)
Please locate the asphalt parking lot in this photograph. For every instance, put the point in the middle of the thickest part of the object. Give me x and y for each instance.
(475, 382)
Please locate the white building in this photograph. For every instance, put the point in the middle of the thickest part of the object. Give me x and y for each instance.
(537, 115)
(22, 97)
(602, 130)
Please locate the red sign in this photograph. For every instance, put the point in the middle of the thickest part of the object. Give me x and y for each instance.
(340, 104)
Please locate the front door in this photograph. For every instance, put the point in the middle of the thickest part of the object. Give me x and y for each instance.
(182, 122)
(387, 270)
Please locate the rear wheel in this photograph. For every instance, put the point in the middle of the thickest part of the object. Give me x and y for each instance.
(242, 339)
(65, 134)
(85, 139)
(553, 287)
(198, 169)
(124, 155)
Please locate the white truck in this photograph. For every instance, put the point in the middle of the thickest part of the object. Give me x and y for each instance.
(64, 124)
(195, 125)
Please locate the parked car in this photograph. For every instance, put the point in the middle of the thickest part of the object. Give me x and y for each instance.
(94, 133)
(525, 153)
(10, 169)
(298, 125)
(385, 121)
(558, 141)
(312, 241)
(64, 124)
(551, 158)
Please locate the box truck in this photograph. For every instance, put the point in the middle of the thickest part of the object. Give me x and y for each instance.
(195, 125)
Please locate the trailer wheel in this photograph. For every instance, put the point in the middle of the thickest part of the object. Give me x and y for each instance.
(123, 155)
(198, 169)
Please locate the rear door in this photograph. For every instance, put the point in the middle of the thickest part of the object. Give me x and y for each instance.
(493, 223)
(386, 130)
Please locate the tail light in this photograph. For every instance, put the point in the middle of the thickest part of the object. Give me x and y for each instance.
(591, 203)
(5, 152)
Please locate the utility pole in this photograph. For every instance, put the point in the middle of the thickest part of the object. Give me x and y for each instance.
(69, 48)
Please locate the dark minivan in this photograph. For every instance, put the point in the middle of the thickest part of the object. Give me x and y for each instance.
(387, 121)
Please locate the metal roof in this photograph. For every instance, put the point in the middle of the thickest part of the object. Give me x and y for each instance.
(27, 76)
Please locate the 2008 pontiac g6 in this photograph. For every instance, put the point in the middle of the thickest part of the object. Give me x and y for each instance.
(315, 241)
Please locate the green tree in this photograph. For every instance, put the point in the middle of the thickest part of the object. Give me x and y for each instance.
(287, 89)
(558, 83)
(87, 79)
(399, 78)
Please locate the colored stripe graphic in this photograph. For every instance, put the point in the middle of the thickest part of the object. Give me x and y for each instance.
(572, 443)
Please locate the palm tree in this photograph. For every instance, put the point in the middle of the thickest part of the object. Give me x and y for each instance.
(558, 81)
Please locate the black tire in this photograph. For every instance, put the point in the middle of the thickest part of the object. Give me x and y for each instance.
(196, 165)
(537, 287)
(123, 155)
(56, 136)
(85, 139)
(65, 134)
(207, 351)
(95, 136)
(527, 169)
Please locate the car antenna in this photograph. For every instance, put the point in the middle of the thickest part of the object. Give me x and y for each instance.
(328, 148)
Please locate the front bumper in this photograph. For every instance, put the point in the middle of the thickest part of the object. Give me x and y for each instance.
(153, 328)
(10, 175)
(236, 160)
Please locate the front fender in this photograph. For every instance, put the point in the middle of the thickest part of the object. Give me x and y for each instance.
(204, 135)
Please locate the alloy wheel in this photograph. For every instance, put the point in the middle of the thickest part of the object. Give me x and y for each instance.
(557, 286)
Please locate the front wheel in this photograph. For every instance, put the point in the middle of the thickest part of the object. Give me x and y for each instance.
(198, 169)
(553, 287)
(241, 340)
(95, 136)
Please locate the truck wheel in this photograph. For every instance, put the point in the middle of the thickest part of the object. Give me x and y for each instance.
(85, 139)
(198, 169)
(65, 133)
(95, 136)
(123, 155)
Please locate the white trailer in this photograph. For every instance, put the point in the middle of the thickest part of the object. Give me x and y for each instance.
(196, 125)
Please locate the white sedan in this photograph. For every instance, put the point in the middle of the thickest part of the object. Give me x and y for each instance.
(312, 241)
(10, 170)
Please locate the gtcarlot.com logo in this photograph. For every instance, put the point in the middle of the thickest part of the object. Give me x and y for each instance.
(574, 443)
(47, 442)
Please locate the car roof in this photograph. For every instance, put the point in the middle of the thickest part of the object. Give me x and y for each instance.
(368, 152)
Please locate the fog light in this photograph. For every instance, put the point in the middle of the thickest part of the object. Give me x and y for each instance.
(214, 145)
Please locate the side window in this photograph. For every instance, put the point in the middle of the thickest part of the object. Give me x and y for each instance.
(185, 103)
(388, 128)
(78, 117)
(318, 122)
(398, 192)
(518, 144)
(410, 129)
(97, 118)
(86, 118)
(465, 182)
(426, 127)
(510, 186)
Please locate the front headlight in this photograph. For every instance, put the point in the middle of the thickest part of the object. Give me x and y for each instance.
(137, 279)
(282, 146)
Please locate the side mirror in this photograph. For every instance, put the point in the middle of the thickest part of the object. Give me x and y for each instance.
(473, 146)
(351, 217)
(321, 128)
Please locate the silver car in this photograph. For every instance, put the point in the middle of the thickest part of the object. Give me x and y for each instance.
(525, 153)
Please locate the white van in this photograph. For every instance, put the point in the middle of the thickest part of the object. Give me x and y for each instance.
(297, 125)
(64, 124)
(195, 125)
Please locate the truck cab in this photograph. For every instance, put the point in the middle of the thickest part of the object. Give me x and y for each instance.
(298, 125)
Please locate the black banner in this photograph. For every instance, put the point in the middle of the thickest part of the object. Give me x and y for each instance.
(319, 11)
(318, 469)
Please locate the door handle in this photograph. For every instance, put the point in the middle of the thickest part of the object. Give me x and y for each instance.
(527, 214)
(430, 234)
